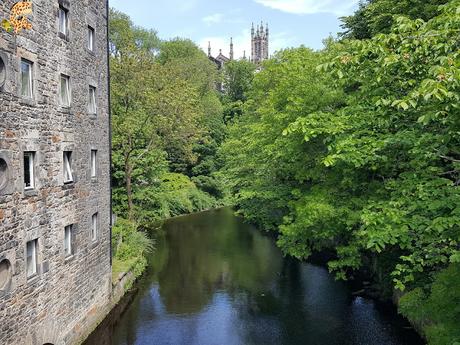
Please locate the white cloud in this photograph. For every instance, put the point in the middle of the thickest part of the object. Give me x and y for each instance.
(338, 7)
(213, 18)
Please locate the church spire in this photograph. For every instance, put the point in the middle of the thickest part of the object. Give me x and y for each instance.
(209, 49)
(231, 48)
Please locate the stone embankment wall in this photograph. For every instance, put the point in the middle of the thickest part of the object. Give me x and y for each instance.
(67, 292)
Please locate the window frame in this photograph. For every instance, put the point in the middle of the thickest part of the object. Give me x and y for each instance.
(34, 256)
(65, 12)
(3, 71)
(68, 90)
(93, 164)
(91, 39)
(31, 170)
(95, 227)
(30, 86)
(68, 241)
(92, 100)
(67, 167)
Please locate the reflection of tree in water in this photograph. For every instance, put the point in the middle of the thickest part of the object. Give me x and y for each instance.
(286, 313)
(273, 315)
(207, 254)
(254, 295)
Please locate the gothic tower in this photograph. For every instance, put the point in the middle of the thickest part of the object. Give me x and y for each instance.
(231, 48)
(259, 43)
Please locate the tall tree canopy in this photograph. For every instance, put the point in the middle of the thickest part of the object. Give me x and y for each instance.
(356, 150)
(378, 16)
(162, 97)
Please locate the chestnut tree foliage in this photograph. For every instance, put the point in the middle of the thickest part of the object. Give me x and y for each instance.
(356, 150)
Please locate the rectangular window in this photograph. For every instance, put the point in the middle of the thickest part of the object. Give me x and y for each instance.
(92, 100)
(94, 226)
(91, 38)
(29, 175)
(93, 163)
(64, 92)
(63, 21)
(68, 173)
(31, 260)
(26, 79)
(68, 240)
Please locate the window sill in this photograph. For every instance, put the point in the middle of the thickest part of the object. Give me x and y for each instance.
(63, 36)
(30, 192)
(33, 279)
(67, 109)
(94, 243)
(92, 116)
(69, 258)
(68, 185)
(91, 52)
(5, 293)
(27, 101)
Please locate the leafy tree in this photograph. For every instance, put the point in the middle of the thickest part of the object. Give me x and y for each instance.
(355, 150)
(402, 129)
(262, 166)
(134, 131)
(158, 107)
(238, 76)
(378, 16)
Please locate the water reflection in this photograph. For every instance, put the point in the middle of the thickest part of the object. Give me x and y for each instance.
(216, 280)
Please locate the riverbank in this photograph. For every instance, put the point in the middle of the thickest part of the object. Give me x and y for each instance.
(131, 248)
(118, 301)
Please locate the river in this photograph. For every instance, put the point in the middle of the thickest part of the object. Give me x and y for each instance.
(215, 280)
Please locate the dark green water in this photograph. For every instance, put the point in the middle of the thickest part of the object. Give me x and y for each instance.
(217, 281)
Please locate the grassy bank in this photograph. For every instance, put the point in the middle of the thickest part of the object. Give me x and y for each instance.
(130, 249)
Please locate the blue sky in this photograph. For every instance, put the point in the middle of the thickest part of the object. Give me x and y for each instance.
(291, 22)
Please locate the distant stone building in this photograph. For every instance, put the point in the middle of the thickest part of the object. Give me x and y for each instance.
(259, 48)
(259, 44)
(55, 269)
(220, 60)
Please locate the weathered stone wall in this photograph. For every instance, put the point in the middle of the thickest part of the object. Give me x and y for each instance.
(59, 304)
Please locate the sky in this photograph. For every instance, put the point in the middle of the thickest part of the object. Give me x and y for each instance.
(292, 22)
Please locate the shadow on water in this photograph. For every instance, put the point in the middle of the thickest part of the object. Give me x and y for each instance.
(215, 280)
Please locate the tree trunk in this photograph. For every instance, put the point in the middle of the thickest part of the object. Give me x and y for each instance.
(129, 188)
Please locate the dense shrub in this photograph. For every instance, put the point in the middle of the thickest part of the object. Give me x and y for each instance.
(437, 307)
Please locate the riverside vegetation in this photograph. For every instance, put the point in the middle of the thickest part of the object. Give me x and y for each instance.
(167, 125)
(353, 150)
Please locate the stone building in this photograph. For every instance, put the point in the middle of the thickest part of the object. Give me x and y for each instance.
(55, 269)
(259, 48)
(220, 60)
(259, 43)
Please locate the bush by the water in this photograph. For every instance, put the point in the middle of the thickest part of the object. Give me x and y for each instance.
(130, 248)
(174, 195)
(437, 307)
